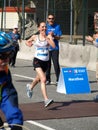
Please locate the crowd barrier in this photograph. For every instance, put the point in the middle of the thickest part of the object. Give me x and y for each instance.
(70, 55)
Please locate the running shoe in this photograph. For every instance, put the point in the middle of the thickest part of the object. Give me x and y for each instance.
(48, 102)
(47, 82)
(96, 98)
(29, 91)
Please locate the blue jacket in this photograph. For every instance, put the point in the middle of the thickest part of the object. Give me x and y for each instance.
(57, 32)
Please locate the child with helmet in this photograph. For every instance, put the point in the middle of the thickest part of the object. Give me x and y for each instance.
(8, 93)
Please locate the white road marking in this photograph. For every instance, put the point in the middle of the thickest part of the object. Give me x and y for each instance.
(26, 77)
(39, 125)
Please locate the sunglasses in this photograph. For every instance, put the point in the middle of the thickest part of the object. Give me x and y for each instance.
(4, 56)
(51, 18)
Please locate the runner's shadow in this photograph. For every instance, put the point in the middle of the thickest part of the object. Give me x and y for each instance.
(62, 105)
(94, 91)
(93, 81)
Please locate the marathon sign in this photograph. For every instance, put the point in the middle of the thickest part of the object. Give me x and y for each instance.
(73, 81)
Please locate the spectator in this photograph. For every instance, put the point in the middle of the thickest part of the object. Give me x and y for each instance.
(55, 30)
(41, 60)
(8, 94)
(94, 40)
(16, 38)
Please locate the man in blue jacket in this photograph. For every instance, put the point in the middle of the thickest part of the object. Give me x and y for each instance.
(55, 30)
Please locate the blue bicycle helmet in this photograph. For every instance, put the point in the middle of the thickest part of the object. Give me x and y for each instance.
(6, 43)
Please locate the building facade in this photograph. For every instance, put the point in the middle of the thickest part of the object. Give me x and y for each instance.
(11, 17)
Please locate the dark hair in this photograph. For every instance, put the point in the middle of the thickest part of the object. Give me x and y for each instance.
(38, 24)
(52, 15)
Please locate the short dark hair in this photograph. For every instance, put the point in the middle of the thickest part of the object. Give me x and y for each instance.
(52, 15)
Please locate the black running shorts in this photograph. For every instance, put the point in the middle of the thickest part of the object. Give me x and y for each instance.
(39, 63)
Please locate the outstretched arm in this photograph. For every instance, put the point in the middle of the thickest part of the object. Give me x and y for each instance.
(29, 42)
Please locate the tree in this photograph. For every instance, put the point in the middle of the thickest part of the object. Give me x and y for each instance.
(77, 5)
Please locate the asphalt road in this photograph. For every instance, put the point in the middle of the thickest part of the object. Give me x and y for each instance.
(23, 73)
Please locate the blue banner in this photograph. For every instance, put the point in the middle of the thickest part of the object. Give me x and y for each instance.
(75, 81)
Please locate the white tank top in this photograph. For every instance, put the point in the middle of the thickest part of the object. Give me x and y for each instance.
(42, 49)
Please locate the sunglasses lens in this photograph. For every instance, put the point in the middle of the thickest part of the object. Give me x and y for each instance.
(51, 18)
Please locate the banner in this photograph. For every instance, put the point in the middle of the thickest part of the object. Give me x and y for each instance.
(73, 81)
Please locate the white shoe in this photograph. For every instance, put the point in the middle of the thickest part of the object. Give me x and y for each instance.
(48, 102)
(29, 91)
(96, 98)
